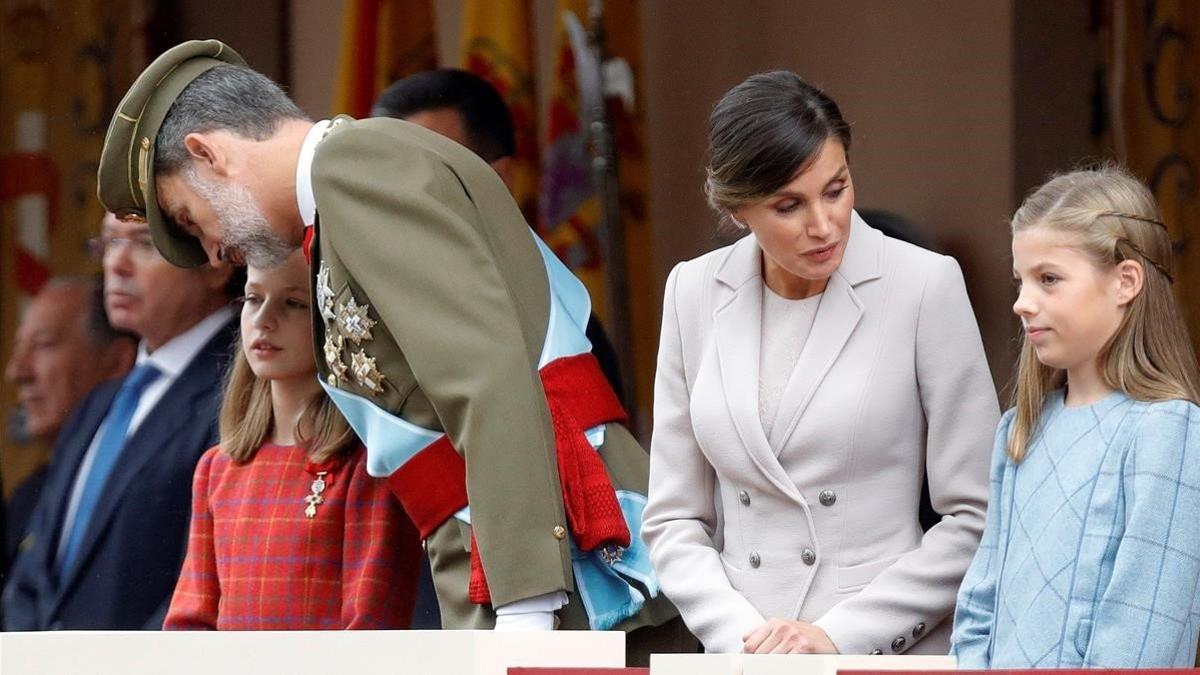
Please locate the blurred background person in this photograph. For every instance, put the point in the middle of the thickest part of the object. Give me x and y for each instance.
(109, 531)
(64, 347)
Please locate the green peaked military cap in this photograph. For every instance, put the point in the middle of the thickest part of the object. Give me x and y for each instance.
(125, 181)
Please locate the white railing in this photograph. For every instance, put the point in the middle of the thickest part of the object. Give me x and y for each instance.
(304, 653)
(737, 664)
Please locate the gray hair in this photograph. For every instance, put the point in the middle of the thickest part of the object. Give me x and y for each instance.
(228, 97)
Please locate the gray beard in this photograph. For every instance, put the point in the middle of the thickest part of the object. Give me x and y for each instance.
(244, 228)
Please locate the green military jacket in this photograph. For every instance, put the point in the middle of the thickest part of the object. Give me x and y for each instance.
(422, 253)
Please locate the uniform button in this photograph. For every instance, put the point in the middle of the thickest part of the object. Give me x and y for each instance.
(919, 630)
(755, 559)
(898, 644)
(744, 498)
(827, 497)
(809, 556)
(876, 652)
(560, 532)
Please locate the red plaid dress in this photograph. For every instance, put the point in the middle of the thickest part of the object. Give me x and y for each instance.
(255, 562)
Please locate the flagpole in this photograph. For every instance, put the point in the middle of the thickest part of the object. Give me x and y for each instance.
(612, 231)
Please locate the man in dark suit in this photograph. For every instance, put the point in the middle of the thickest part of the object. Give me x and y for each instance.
(64, 348)
(108, 534)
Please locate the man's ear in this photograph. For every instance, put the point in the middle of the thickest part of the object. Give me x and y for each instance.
(1131, 278)
(207, 152)
(507, 168)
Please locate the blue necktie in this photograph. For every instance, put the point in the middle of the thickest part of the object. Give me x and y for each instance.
(116, 425)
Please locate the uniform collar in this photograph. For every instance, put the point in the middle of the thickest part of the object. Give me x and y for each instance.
(305, 199)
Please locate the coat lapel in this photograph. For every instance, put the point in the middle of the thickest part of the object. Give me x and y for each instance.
(68, 455)
(156, 435)
(838, 315)
(738, 325)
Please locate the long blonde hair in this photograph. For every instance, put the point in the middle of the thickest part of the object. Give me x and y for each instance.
(246, 418)
(1113, 217)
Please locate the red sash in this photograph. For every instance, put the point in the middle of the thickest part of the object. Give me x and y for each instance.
(432, 485)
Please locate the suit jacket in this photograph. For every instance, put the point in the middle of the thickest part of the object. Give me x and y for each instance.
(131, 554)
(819, 521)
(422, 237)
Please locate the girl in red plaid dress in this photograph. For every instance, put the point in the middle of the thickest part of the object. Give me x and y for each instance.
(288, 531)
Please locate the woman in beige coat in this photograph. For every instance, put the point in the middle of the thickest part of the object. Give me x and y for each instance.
(810, 376)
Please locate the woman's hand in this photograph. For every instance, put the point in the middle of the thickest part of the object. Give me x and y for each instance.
(782, 636)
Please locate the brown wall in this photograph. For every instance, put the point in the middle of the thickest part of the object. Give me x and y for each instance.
(930, 103)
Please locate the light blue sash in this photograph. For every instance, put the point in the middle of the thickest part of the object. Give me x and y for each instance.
(391, 441)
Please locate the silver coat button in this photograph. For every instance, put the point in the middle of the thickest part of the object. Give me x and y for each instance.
(808, 556)
(898, 644)
(827, 497)
(755, 560)
(919, 630)
(744, 498)
(876, 652)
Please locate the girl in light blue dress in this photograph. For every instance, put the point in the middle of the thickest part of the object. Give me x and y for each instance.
(1091, 551)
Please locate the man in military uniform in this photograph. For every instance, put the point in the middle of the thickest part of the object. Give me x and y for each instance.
(446, 332)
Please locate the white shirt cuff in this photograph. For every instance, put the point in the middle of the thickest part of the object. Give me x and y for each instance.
(536, 613)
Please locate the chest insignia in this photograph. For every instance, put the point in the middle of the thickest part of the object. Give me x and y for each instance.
(365, 373)
(325, 294)
(333, 357)
(353, 322)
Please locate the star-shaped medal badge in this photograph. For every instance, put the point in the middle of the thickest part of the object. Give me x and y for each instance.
(325, 294)
(333, 358)
(365, 373)
(353, 322)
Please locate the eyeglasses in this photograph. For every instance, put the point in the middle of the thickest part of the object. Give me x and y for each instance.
(140, 246)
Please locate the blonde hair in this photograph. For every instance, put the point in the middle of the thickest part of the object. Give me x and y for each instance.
(246, 418)
(1113, 217)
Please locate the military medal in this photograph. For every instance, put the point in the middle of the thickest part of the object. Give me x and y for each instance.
(353, 322)
(611, 554)
(366, 374)
(325, 294)
(333, 358)
(315, 499)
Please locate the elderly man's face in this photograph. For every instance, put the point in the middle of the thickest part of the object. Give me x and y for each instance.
(148, 296)
(55, 362)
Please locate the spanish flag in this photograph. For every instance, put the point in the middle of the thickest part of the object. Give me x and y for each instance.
(382, 41)
(497, 45)
(569, 209)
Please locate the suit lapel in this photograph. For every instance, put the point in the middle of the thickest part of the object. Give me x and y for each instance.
(68, 455)
(155, 436)
(838, 315)
(738, 326)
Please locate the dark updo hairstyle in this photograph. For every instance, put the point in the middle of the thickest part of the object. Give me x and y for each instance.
(762, 133)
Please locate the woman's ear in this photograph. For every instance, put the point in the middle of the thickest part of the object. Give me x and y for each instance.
(1131, 278)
